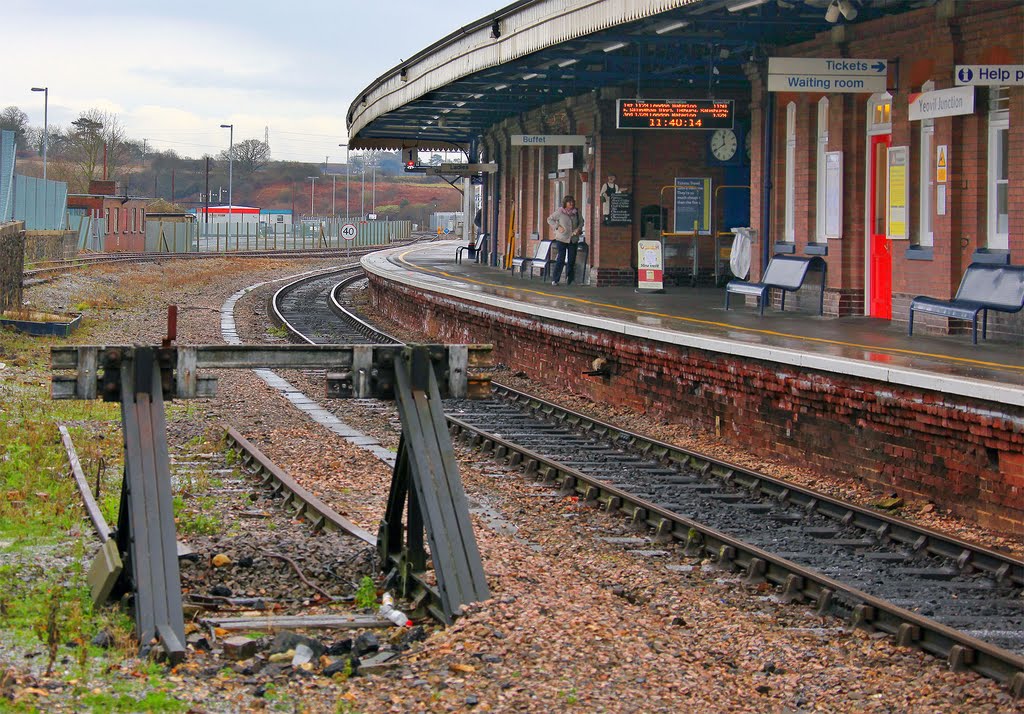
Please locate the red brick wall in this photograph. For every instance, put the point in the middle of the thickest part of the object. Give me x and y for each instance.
(920, 45)
(963, 454)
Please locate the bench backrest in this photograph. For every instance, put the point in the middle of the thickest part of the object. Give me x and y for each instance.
(543, 251)
(788, 271)
(1001, 285)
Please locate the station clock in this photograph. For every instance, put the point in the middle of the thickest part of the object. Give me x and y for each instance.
(723, 145)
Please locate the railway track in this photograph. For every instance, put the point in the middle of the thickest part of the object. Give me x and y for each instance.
(953, 599)
(45, 270)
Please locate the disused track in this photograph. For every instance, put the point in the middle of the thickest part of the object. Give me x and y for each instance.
(953, 599)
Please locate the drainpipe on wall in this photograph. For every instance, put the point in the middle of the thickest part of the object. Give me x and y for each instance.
(766, 180)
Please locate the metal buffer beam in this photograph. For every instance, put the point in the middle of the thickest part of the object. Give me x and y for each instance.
(140, 378)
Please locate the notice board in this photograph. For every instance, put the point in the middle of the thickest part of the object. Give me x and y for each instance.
(899, 194)
(692, 205)
(620, 209)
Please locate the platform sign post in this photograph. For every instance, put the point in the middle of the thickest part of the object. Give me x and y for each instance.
(650, 267)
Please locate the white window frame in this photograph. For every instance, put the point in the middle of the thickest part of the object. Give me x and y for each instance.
(789, 229)
(998, 134)
(819, 199)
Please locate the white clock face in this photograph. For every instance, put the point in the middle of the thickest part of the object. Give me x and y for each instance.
(747, 142)
(724, 144)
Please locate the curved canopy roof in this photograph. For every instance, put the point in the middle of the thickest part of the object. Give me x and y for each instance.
(536, 52)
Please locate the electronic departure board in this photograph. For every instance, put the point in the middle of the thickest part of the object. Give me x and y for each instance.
(674, 114)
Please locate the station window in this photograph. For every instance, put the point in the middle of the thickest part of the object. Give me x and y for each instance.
(998, 169)
(819, 224)
(106, 217)
(926, 185)
(789, 231)
(132, 217)
(117, 220)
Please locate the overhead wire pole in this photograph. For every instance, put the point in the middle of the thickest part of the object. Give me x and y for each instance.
(312, 193)
(46, 122)
(231, 166)
(347, 172)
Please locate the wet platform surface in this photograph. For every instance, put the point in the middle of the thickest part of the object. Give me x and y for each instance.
(860, 346)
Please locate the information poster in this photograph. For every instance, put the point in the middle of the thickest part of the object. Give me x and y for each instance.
(650, 267)
(692, 205)
(620, 209)
(833, 194)
(896, 215)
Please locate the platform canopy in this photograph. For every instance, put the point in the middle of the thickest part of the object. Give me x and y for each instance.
(537, 52)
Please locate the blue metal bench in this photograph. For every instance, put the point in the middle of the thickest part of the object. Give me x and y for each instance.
(786, 273)
(984, 287)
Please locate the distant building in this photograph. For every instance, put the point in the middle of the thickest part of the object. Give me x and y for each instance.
(223, 214)
(122, 218)
(271, 217)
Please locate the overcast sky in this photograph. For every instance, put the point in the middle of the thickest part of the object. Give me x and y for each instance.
(173, 72)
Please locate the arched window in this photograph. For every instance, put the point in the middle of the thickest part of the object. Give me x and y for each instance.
(819, 223)
(789, 230)
(998, 169)
(926, 184)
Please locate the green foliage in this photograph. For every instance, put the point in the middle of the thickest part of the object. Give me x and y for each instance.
(278, 331)
(366, 594)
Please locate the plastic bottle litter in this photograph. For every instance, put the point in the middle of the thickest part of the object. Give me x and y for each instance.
(387, 611)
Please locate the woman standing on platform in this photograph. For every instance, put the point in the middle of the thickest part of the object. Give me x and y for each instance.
(567, 224)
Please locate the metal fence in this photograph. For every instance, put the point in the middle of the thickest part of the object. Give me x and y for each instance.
(186, 236)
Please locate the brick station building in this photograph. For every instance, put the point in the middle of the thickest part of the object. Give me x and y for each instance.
(886, 138)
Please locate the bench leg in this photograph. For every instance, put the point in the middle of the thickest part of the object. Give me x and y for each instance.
(726, 299)
(974, 329)
(782, 305)
(763, 298)
(910, 324)
(984, 324)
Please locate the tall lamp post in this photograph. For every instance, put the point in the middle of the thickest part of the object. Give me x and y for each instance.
(231, 166)
(46, 123)
(362, 185)
(312, 192)
(346, 180)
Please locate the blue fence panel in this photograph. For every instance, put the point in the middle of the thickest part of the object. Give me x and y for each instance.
(41, 204)
(7, 150)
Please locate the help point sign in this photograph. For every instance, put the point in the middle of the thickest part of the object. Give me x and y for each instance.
(987, 75)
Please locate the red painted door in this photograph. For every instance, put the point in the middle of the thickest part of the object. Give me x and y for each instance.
(880, 249)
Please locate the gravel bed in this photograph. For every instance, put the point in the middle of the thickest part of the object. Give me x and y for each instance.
(578, 620)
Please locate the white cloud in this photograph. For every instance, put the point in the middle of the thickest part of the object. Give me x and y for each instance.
(174, 72)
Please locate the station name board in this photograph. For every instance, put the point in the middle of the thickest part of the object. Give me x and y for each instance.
(674, 114)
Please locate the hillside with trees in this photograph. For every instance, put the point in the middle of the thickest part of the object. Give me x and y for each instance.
(95, 145)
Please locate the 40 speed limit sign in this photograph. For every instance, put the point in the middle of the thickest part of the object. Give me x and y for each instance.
(348, 231)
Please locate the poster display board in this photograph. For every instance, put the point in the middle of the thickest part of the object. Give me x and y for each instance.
(620, 209)
(692, 205)
(898, 193)
(650, 266)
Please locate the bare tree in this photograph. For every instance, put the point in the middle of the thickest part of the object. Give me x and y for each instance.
(13, 119)
(251, 155)
(93, 131)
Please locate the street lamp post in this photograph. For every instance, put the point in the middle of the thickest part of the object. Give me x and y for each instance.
(362, 186)
(312, 192)
(346, 179)
(231, 166)
(46, 123)
(373, 183)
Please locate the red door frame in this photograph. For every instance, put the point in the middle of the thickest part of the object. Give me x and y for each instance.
(879, 246)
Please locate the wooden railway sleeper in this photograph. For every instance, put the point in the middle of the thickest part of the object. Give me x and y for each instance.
(610, 503)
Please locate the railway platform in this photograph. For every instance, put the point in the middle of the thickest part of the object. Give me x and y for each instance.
(929, 417)
(859, 346)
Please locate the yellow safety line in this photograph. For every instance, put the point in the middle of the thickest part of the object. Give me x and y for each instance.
(711, 323)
